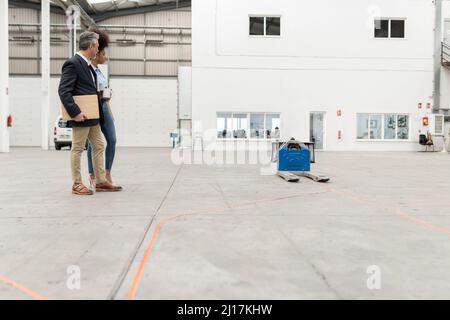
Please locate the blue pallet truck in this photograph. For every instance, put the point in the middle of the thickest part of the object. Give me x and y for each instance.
(294, 161)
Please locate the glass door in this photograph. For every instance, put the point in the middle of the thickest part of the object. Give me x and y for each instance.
(316, 121)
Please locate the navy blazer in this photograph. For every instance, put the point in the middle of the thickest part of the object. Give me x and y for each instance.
(76, 80)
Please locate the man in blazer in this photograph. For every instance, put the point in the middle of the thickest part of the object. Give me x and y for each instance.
(79, 78)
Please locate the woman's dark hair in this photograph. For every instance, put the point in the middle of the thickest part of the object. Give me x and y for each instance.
(103, 40)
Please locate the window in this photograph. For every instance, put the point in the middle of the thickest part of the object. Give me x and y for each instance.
(382, 126)
(257, 125)
(256, 26)
(248, 125)
(264, 26)
(381, 28)
(403, 127)
(389, 28)
(375, 126)
(272, 126)
(390, 126)
(224, 125)
(273, 26)
(362, 121)
(397, 28)
(396, 127)
(240, 126)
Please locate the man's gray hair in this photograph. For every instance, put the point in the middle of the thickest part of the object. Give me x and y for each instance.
(87, 39)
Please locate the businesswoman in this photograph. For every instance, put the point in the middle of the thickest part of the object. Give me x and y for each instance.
(108, 128)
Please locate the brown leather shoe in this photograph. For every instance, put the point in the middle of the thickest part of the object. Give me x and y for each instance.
(81, 190)
(107, 187)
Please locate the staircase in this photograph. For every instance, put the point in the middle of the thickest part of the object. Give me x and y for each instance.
(445, 55)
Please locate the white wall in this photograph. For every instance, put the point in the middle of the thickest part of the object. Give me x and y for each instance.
(185, 92)
(145, 110)
(326, 59)
(26, 110)
(185, 105)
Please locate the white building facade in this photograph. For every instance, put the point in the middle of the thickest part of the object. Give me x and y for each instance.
(349, 75)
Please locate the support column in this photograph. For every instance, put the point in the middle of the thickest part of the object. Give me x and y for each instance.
(437, 56)
(45, 72)
(4, 77)
(72, 24)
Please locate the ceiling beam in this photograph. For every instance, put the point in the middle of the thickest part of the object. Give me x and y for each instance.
(87, 7)
(143, 9)
(115, 5)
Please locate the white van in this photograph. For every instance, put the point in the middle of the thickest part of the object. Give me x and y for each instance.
(61, 134)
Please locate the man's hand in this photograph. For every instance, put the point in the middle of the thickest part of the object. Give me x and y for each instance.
(80, 117)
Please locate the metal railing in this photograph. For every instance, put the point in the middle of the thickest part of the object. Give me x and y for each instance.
(445, 55)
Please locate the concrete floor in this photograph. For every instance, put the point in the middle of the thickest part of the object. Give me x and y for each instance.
(226, 232)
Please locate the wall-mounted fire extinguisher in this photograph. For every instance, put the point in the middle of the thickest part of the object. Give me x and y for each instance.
(9, 121)
(425, 121)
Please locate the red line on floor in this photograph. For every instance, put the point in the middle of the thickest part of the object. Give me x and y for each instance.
(395, 211)
(133, 288)
(344, 194)
(22, 288)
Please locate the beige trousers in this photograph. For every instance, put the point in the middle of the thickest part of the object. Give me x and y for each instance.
(95, 137)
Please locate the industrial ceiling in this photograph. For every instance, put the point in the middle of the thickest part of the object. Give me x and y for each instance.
(93, 11)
